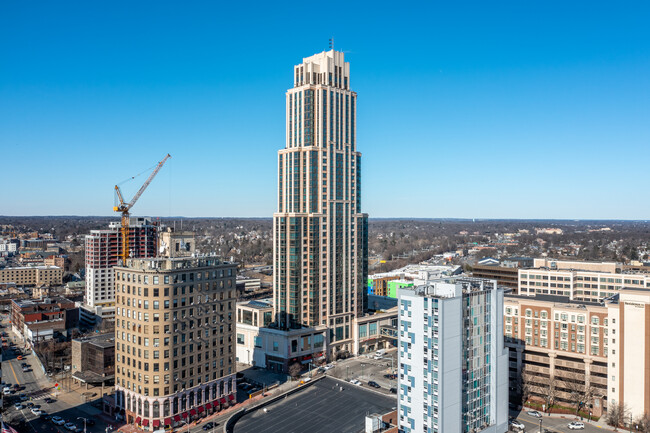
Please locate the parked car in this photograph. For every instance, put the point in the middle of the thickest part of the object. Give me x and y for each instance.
(7, 390)
(355, 382)
(517, 424)
(393, 390)
(19, 406)
(576, 425)
(23, 397)
(210, 425)
(36, 411)
(70, 426)
(90, 422)
(534, 413)
(374, 384)
(49, 400)
(57, 420)
(328, 366)
(45, 416)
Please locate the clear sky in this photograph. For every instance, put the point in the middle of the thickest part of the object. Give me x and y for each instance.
(466, 109)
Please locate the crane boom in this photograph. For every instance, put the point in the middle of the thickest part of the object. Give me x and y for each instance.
(124, 208)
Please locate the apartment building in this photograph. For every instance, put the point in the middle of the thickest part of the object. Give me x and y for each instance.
(453, 372)
(32, 275)
(586, 281)
(320, 235)
(558, 347)
(103, 252)
(174, 333)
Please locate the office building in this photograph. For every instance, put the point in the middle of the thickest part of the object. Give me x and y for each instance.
(32, 276)
(506, 271)
(320, 236)
(585, 281)
(93, 359)
(453, 373)
(103, 252)
(174, 333)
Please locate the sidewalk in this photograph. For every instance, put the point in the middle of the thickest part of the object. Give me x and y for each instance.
(571, 417)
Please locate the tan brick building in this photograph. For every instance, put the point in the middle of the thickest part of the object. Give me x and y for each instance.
(32, 275)
(175, 349)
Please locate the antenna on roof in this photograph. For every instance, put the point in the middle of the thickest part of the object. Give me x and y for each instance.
(331, 43)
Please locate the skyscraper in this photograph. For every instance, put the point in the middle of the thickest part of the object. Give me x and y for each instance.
(320, 236)
(453, 366)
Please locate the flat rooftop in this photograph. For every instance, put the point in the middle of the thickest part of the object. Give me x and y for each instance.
(320, 408)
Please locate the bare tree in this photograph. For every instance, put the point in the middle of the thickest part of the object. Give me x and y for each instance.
(295, 369)
(642, 423)
(547, 388)
(617, 414)
(578, 389)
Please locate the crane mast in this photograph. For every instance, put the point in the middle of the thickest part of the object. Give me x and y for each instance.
(124, 208)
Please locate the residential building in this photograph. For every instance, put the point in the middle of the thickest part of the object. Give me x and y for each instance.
(57, 261)
(586, 281)
(32, 275)
(378, 284)
(453, 373)
(174, 333)
(320, 235)
(103, 252)
(8, 248)
(558, 347)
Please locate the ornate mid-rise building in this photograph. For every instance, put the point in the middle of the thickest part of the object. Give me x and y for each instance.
(174, 333)
(320, 237)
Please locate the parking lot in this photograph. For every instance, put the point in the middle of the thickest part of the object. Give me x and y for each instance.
(369, 369)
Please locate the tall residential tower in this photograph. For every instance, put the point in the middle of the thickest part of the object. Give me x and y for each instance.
(320, 236)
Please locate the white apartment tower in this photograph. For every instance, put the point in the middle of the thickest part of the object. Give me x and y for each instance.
(453, 365)
(319, 233)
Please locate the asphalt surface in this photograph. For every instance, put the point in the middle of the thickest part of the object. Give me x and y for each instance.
(37, 387)
(552, 424)
(366, 368)
(320, 408)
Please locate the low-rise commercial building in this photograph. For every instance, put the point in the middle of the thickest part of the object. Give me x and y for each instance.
(93, 359)
(37, 321)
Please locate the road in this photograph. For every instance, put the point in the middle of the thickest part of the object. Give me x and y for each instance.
(551, 424)
(366, 368)
(37, 387)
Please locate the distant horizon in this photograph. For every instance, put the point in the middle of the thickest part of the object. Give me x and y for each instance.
(117, 217)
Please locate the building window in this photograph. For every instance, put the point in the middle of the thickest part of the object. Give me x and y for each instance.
(240, 339)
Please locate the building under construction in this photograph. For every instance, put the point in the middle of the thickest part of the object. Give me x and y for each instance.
(103, 252)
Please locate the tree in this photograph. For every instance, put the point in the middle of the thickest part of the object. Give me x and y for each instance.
(580, 392)
(295, 369)
(547, 388)
(617, 414)
(643, 423)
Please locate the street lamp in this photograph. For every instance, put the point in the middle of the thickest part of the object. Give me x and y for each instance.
(109, 428)
(80, 417)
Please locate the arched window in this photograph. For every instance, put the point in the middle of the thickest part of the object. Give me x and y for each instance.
(166, 408)
(156, 410)
(221, 388)
(184, 402)
(145, 412)
(199, 394)
(191, 399)
(207, 393)
(175, 405)
(139, 407)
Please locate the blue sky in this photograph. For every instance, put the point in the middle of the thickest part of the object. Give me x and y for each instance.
(500, 110)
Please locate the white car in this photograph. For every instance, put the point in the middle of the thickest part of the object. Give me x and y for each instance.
(576, 425)
(516, 424)
(328, 367)
(57, 420)
(355, 382)
(534, 413)
(70, 426)
(6, 390)
(36, 411)
(378, 356)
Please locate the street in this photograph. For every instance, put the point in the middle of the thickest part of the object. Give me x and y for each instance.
(551, 424)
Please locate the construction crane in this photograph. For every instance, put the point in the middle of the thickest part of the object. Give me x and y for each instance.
(125, 207)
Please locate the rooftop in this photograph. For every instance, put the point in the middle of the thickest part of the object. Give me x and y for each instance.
(556, 299)
(101, 340)
(320, 408)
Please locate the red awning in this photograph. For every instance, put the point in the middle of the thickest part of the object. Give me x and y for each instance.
(208, 405)
(200, 408)
(145, 422)
(192, 411)
(177, 418)
(231, 397)
(184, 415)
(215, 403)
(168, 421)
(137, 420)
(223, 400)
(156, 423)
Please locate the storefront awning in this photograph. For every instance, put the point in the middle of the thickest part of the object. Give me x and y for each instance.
(223, 400)
(168, 421)
(184, 415)
(137, 420)
(145, 422)
(208, 405)
(177, 418)
(215, 403)
(192, 412)
(231, 397)
(200, 409)
(156, 423)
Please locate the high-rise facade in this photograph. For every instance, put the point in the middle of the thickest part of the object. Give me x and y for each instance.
(103, 251)
(320, 235)
(174, 329)
(453, 372)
